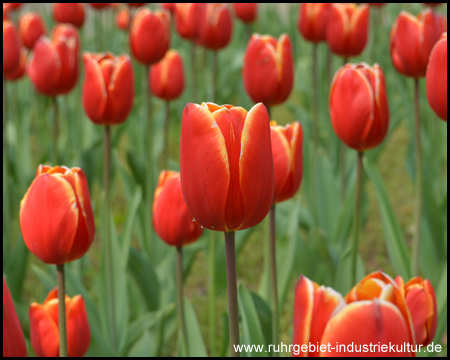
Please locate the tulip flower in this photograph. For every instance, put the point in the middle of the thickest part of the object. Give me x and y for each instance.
(32, 27)
(13, 339)
(11, 47)
(216, 26)
(312, 21)
(412, 39)
(437, 78)
(72, 13)
(6, 10)
(44, 326)
(188, 19)
(246, 12)
(167, 77)
(136, 5)
(123, 19)
(150, 36)
(19, 71)
(99, 6)
(268, 71)
(14, 6)
(347, 29)
(171, 7)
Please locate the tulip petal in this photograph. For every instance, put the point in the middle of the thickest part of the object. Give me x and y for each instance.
(78, 330)
(357, 38)
(43, 332)
(94, 90)
(11, 47)
(68, 56)
(437, 79)
(281, 160)
(303, 311)
(284, 49)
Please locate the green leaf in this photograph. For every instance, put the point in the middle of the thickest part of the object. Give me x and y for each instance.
(343, 278)
(225, 347)
(195, 344)
(441, 301)
(129, 225)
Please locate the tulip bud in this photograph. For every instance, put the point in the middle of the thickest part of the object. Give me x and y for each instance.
(136, 5)
(312, 21)
(188, 19)
(6, 9)
(44, 326)
(226, 165)
(358, 106)
(167, 77)
(437, 78)
(347, 29)
(99, 6)
(172, 220)
(123, 19)
(56, 216)
(11, 47)
(13, 339)
(14, 6)
(216, 26)
(287, 150)
(32, 27)
(246, 12)
(108, 88)
(150, 36)
(20, 70)
(171, 7)
(268, 71)
(412, 39)
(72, 13)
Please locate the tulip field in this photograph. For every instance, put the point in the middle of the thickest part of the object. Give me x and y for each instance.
(209, 179)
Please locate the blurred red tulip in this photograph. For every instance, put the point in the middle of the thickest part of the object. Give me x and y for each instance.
(167, 77)
(53, 67)
(312, 21)
(246, 12)
(171, 218)
(188, 19)
(412, 39)
(150, 35)
(226, 165)
(136, 5)
(56, 216)
(377, 4)
(14, 6)
(32, 27)
(108, 88)
(99, 6)
(268, 71)
(11, 47)
(44, 326)
(72, 13)
(432, 4)
(6, 9)
(287, 150)
(20, 70)
(216, 26)
(13, 339)
(171, 7)
(358, 106)
(123, 19)
(347, 29)
(437, 78)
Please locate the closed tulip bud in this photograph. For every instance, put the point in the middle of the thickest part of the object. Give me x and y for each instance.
(226, 165)
(312, 21)
(44, 326)
(412, 39)
(56, 215)
(11, 47)
(171, 7)
(347, 29)
(246, 12)
(99, 6)
(108, 88)
(20, 70)
(358, 106)
(67, 31)
(150, 36)
(72, 13)
(32, 27)
(13, 339)
(287, 150)
(314, 305)
(216, 26)
(172, 220)
(14, 6)
(167, 77)
(268, 71)
(437, 78)
(188, 19)
(6, 10)
(123, 19)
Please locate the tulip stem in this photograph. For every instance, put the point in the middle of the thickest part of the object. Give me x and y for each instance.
(248, 31)
(194, 73)
(62, 310)
(273, 281)
(149, 169)
(6, 212)
(181, 319)
(233, 312)
(329, 66)
(419, 185)
(357, 215)
(215, 75)
(55, 132)
(166, 135)
(212, 293)
(315, 99)
(342, 153)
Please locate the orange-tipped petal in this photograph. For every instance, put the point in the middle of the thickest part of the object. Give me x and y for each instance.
(44, 332)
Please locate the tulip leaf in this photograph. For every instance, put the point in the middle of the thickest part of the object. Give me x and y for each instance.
(17, 268)
(225, 346)
(195, 344)
(129, 225)
(441, 301)
(343, 279)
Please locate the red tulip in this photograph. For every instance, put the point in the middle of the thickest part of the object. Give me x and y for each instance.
(123, 19)
(14, 6)
(32, 27)
(358, 106)
(20, 70)
(226, 165)
(13, 339)
(171, 7)
(412, 39)
(136, 5)
(216, 26)
(246, 12)
(172, 220)
(44, 325)
(437, 78)
(6, 9)
(99, 6)
(287, 150)
(188, 19)
(268, 71)
(347, 29)
(167, 77)
(56, 216)
(11, 47)
(150, 35)
(53, 67)
(312, 21)
(108, 88)
(72, 13)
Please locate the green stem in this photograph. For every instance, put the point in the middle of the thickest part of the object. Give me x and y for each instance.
(212, 293)
(357, 215)
(180, 306)
(248, 31)
(55, 132)
(419, 185)
(315, 99)
(273, 280)
(62, 311)
(149, 169)
(233, 312)
(342, 157)
(215, 75)
(6, 211)
(329, 66)
(193, 73)
(166, 136)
